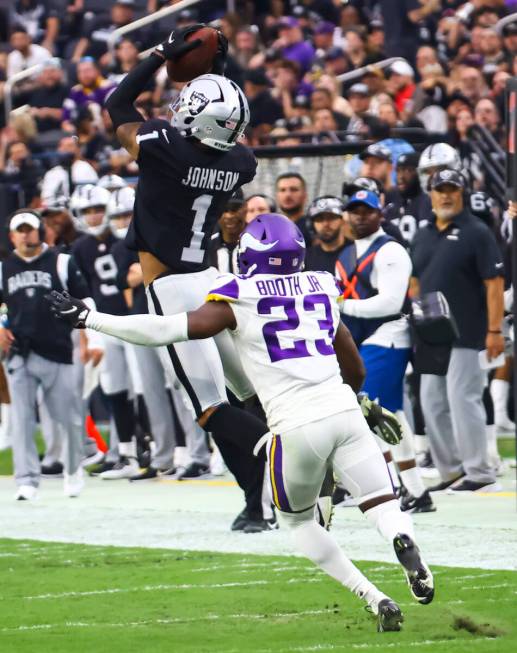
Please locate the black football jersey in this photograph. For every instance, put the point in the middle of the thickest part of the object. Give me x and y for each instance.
(24, 285)
(96, 262)
(409, 214)
(182, 190)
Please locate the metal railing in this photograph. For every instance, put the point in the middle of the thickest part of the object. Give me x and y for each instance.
(147, 20)
(13, 80)
(493, 158)
(359, 72)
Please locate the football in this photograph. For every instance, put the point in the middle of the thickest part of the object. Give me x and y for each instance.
(196, 62)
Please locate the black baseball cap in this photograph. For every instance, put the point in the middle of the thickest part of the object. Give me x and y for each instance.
(235, 201)
(444, 177)
(378, 151)
(408, 160)
(257, 76)
(326, 204)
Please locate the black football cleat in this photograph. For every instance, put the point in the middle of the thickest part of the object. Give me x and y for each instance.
(240, 521)
(260, 525)
(423, 503)
(146, 474)
(418, 574)
(389, 616)
(194, 470)
(440, 487)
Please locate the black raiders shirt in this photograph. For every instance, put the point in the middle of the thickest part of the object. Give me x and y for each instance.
(182, 190)
(96, 262)
(24, 285)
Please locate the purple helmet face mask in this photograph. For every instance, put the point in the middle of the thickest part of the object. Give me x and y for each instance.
(271, 244)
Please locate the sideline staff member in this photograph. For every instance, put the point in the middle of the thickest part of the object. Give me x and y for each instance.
(458, 255)
(39, 351)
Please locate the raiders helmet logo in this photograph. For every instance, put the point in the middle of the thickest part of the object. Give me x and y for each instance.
(197, 103)
(446, 174)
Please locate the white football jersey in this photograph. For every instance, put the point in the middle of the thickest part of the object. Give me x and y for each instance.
(285, 332)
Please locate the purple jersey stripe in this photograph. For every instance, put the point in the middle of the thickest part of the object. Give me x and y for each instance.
(283, 502)
(229, 290)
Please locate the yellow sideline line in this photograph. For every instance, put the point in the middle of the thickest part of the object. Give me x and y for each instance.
(193, 481)
(496, 494)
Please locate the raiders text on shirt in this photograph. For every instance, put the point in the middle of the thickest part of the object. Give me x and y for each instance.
(210, 179)
(29, 279)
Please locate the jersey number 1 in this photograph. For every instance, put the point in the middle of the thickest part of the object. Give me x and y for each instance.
(194, 253)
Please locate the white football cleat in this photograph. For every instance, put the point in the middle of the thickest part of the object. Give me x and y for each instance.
(73, 483)
(92, 459)
(26, 493)
(125, 468)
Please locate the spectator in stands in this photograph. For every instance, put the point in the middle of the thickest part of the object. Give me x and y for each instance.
(487, 115)
(323, 36)
(287, 80)
(492, 47)
(459, 137)
(292, 44)
(40, 19)
(91, 142)
(376, 41)
(92, 89)
(265, 110)
(72, 171)
(246, 45)
(510, 40)
(21, 172)
(24, 52)
(291, 197)
(257, 204)
(326, 216)
(96, 31)
(336, 61)
(458, 255)
(126, 58)
(321, 98)
(362, 121)
(47, 100)
(472, 84)
(356, 48)
(401, 83)
(324, 126)
(401, 20)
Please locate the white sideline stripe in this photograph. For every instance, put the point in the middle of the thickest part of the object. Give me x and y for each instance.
(161, 622)
(488, 587)
(365, 647)
(184, 586)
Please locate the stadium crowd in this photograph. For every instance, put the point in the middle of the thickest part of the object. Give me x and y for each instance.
(314, 72)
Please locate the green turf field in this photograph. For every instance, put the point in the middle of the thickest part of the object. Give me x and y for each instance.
(60, 598)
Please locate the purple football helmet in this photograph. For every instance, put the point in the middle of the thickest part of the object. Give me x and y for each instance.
(271, 244)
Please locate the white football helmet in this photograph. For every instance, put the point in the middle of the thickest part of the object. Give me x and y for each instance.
(439, 156)
(92, 196)
(121, 204)
(213, 109)
(111, 182)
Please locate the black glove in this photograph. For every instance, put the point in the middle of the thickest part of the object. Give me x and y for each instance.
(222, 52)
(68, 308)
(176, 46)
(381, 420)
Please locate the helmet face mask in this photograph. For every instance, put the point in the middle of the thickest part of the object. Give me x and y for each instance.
(271, 244)
(212, 109)
(439, 156)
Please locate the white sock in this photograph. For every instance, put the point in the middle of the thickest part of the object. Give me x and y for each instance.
(127, 449)
(499, 390)
(390, 520)
(318, 545)
(405, 452)
(421, 443)
(491, 436)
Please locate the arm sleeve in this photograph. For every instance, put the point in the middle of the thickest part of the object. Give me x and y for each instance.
(76, 282)
(489, 261)
(393, 269)
(149, 330)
